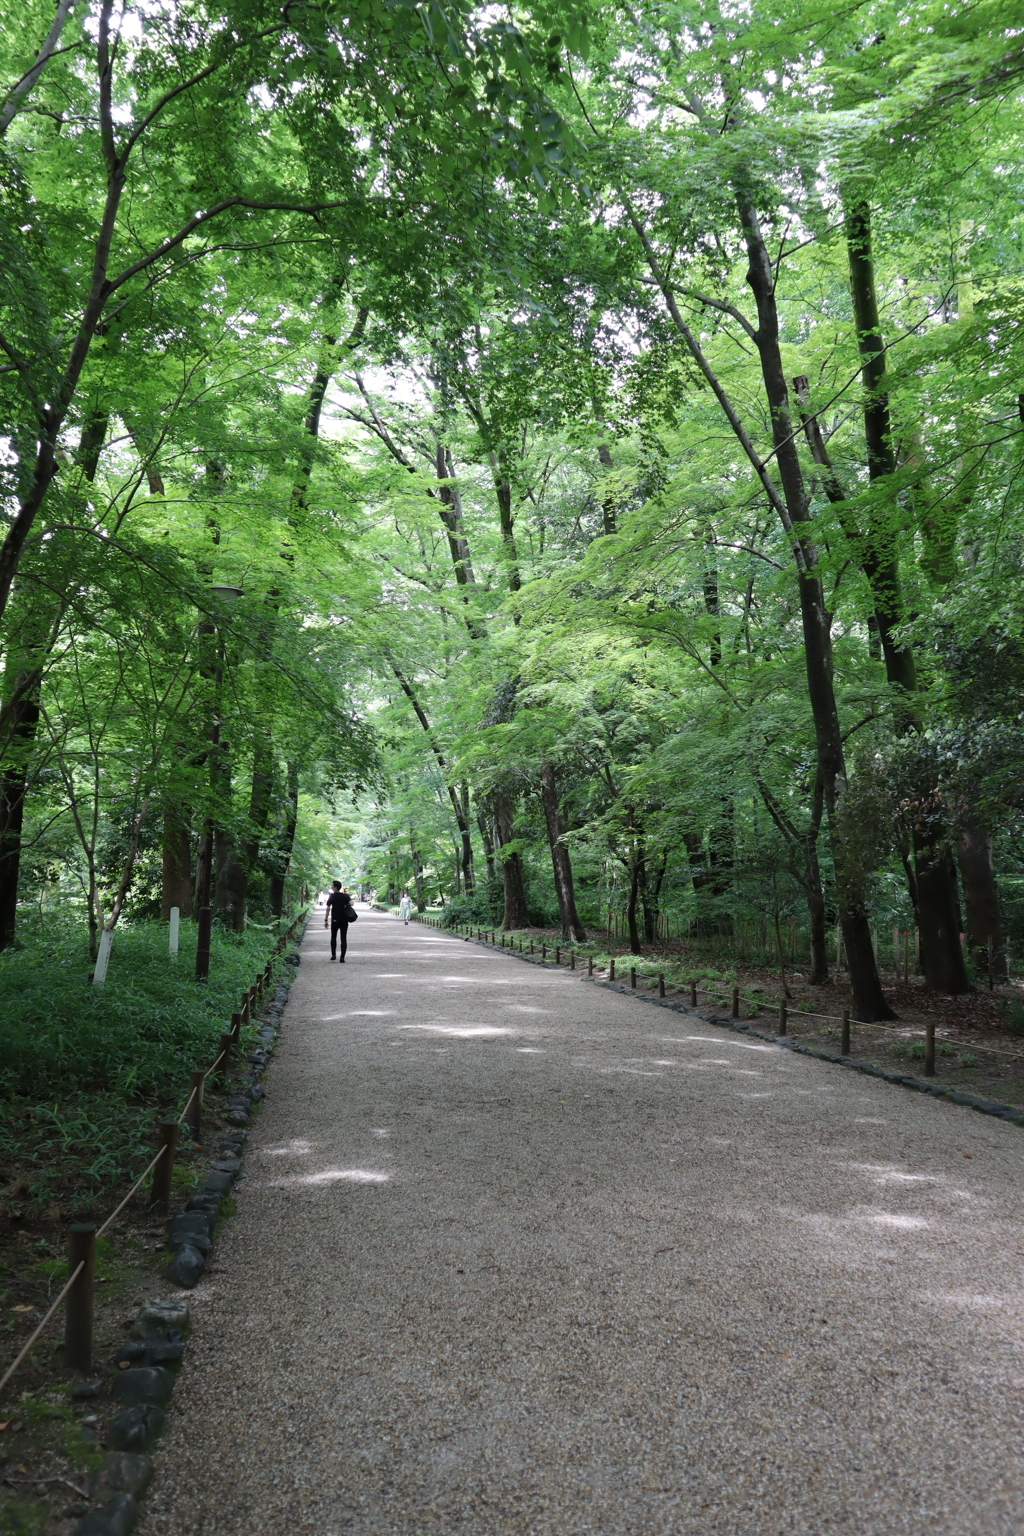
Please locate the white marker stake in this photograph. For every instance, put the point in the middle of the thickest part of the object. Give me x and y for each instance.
(175, 914)
(99, 975)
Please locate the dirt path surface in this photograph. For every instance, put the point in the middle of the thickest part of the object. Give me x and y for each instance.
(519, 1254)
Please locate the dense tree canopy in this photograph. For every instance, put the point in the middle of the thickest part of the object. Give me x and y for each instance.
(563, 461)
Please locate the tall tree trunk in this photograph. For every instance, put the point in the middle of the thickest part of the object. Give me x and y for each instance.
(560, 861)
(231, 882)
(868, 999)
(793, 511)
(286, 840)
(461, 820)
(22, 721)
(516, 914)
(176, 872)
(488, 842)
(984, 929)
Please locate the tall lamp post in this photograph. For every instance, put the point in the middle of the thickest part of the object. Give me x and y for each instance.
(211, 666)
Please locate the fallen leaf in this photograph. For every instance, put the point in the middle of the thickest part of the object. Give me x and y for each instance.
(4, 1425)
(21, 1309)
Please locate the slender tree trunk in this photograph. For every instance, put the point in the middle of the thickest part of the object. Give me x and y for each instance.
(456, 804)
(560, 861)
(488, 842)
(231, 882)
(793, 512)
(868, 999)
(22, 722)
(286, 840)
(984, 930)
(516, 914)
(176, 873)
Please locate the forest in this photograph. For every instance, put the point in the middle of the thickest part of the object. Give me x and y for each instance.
(564, 462)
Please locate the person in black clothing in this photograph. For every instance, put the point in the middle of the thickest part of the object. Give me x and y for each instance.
(340, 912)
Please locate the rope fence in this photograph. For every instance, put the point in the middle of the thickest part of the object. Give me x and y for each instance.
(78, 1288)
(756, 1005)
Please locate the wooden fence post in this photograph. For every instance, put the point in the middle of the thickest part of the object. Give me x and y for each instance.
(632, 977)
(590, 965)
(236, 1026)
(693, 994)
(661, 983)
(558, 954)
(78, 1306)
(844, 1039)
(929, 1048)
(735, 1002)
(782, 1017)
(160, 1194)
(611, 969)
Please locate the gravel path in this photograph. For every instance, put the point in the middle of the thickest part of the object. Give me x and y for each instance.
(519, 1254)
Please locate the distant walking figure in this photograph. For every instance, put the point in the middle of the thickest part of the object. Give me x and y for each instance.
(405, 908)
(340, 912)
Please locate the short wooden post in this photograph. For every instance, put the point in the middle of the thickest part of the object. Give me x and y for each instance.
(572, 959)
(543, 951)
(236, 1026)
(661, 983)
(531, 946)
(693, 994)
(203, 944)
(632, 977)
(78, 1306)
(590, 965)
(929, 1049)
(844, 1039)
(991, 961)
(503, 941)
(558, 954)
(224, 1055)
(611, 969)
(735, 1002)
(194, 1107)
(160, 1194)
(782, 1017)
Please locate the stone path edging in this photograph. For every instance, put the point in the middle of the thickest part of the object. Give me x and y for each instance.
(1008, 1112)
(142, 1383)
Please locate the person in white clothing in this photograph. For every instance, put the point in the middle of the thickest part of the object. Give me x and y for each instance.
(405, 908)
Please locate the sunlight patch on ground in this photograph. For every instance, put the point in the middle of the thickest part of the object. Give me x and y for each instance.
(900, 1223)
(462, 1032)
(530, 1050)
(290, 1149)
(741, 1045)
(974, 1302)
(524, 1008)
(885, 1173)
(380, 1133)
(337, 1176)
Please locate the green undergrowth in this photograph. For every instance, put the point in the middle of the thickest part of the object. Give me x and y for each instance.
(84, 1070)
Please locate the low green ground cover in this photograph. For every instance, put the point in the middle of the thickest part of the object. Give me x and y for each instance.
(86, 1071)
